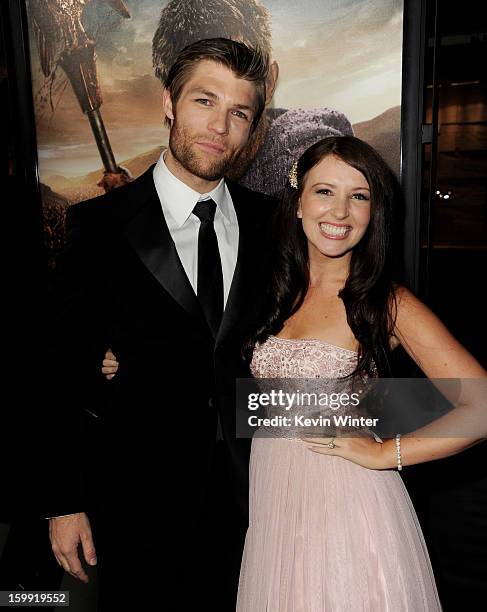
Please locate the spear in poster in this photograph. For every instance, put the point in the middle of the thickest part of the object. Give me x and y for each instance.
(62, 41)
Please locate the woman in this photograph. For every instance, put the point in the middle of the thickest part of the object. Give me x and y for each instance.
(331, 526)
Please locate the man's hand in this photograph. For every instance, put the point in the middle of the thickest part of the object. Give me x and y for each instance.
(66, 532)
(110, 365)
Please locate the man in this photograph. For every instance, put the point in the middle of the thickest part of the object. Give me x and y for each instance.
(174, 253)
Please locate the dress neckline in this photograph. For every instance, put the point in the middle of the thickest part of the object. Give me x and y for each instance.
(316, 340)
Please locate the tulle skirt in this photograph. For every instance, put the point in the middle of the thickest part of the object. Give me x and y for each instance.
(327, 535)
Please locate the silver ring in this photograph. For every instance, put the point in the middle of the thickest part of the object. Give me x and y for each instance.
(331, 444)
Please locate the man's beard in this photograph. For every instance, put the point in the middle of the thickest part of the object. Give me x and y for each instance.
(182, 145)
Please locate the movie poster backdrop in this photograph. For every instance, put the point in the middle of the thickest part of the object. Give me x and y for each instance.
(98, 68)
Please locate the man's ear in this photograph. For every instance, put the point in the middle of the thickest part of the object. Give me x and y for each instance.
(167, 104)
(271, 81)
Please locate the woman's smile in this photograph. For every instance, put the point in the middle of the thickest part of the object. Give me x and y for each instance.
(334, 231)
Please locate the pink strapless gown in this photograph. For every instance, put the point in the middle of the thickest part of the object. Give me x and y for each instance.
(325, 534)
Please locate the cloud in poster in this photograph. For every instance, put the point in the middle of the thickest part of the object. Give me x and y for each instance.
(345, 55)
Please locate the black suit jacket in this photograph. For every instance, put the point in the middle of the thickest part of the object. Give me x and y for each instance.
(147, 437)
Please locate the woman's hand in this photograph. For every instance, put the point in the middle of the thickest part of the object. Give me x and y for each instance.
(364, 451)
(110, 365)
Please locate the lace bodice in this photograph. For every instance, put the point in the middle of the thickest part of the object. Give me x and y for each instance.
(309, 367)
(286, 358)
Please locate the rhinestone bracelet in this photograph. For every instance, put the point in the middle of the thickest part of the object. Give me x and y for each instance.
(398, 451)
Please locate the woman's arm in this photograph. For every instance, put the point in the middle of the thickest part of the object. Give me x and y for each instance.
(429, 343)
(439, 355)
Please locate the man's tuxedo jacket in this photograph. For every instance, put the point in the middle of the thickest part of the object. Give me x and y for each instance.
(146, 437)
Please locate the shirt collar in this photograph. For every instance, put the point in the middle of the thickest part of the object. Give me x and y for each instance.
(180, 199)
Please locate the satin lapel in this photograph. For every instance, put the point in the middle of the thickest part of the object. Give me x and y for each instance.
(149, 236)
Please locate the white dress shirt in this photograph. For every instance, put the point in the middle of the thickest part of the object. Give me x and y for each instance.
(178, 201)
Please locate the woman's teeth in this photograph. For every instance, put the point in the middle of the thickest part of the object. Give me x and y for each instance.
(333, 230)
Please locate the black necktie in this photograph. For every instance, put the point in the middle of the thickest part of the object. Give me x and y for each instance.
(210, 277)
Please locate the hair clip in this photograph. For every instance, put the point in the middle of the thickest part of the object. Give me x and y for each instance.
(293, 175)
